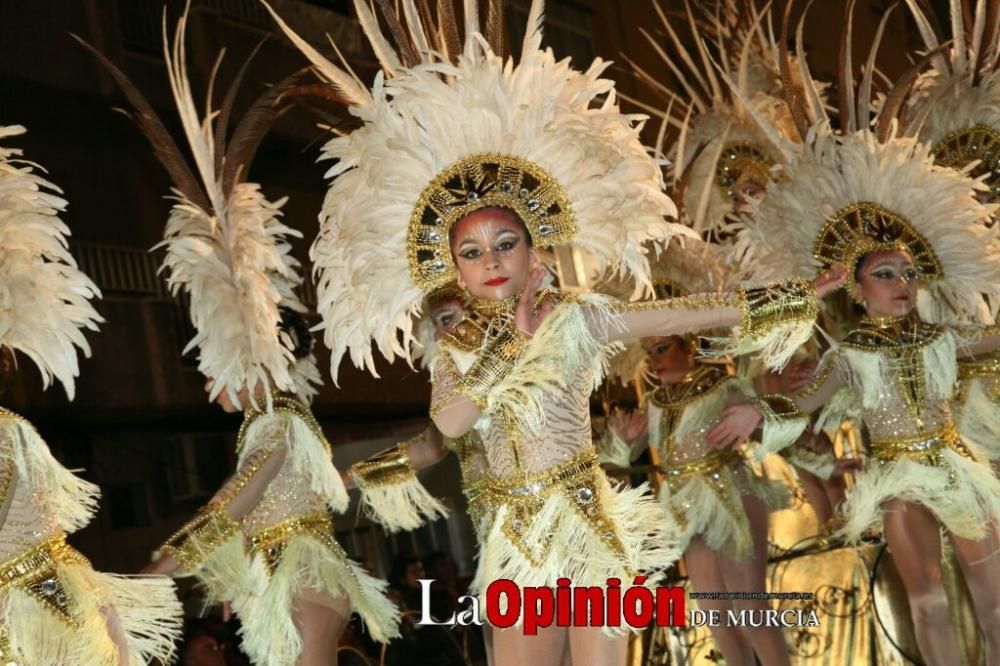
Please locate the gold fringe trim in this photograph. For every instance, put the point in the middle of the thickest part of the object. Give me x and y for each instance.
(70, 499)
(563, 346)
(979, 416)
(147, 610)
(269, 635)
(391, 494)
(561, 541)
(962, 493)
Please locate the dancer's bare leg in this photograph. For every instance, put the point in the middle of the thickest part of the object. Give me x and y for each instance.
(750, 575)
(321, 620)
(116, 633)
(704, 567)
(914, 540)
(590, 646)
(546, 648)
(488, 643)
(980, 563)
(817, 497)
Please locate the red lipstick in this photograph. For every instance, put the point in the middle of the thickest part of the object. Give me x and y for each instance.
(496, 282)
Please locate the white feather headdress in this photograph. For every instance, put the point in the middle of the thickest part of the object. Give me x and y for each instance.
(956, 103)
(448, 128)
(732, 119)
(44, 297)
(869, 188)
(226, 245)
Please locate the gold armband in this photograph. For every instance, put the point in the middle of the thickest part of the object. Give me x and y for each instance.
(783, 424)
(391, 494)
(776, 407)
(496, 359)
(386, 468)
(776, 305)
(198, 539)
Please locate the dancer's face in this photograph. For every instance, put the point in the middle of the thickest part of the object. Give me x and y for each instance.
(492, 253)
(670, 357)
(446, 313)
(748, 192)
(887, 283)
(223, 400)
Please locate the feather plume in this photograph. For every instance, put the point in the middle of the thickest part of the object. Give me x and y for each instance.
(44, 298)
(428, 117)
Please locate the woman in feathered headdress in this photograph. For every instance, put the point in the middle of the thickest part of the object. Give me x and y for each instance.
(54, 608)
(464, 165)
(715, 503)
(911, 234)
(265, 542)
(955, 107)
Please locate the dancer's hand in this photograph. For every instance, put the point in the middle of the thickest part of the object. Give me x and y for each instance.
(800, 375)
(736, 424)
(163, 566)
(628, 425)
(843, 466)
(527, 318)
(829, 280)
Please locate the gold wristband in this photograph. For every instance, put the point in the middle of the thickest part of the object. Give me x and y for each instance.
(768, 307)
(777, 407)
(385, 469)
(196, 540)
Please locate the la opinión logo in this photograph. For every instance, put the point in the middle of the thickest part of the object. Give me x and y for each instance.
(566, 605)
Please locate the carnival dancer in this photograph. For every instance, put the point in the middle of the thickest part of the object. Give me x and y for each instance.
(713, 499)
(466, 163)
(54, 608)
(390, 491)
(911, 235)
(733, 125)
(264, 543)
(955, 107)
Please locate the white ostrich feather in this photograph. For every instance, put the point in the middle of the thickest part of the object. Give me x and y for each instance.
(44, 298)
(962, 89)
(235, 262)
(426, 118)
(833, 172)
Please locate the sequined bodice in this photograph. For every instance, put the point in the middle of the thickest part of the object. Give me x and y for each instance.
(512, 453)
(288, 495)
(686, 411)
(31, 519)
(888, 361)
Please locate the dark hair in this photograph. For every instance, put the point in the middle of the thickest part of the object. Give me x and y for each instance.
(295, 326)
(508, 211)
(397, 575)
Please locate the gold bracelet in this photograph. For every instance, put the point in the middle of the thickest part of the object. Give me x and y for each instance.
(197, 539)
(765, 308)
(387, 468)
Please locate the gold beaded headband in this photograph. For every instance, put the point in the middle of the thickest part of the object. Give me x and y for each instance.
(482, 181)
(862, 228)
(741, 163)
(964, 146)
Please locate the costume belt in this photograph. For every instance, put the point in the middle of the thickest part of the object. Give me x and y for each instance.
(271, 542)
(926, 448)
(581, 469)
(708, 464)
(35, 572)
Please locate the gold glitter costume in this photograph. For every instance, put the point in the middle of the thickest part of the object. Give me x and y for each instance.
(267, 536)
(977, 402)
(901, 373)
(703, 487)
(553, 511)
(55, 608)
